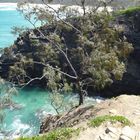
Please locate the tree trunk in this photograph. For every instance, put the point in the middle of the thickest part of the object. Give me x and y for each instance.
(83, 7)
(81, 100)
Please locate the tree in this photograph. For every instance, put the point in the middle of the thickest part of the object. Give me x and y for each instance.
(95, 55)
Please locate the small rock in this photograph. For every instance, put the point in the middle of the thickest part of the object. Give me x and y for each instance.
(138, 136)
(111, 129)
(123, 137)
(101, 137)
(104, 137)
(113, 111)
(113, 135)
(128, 132)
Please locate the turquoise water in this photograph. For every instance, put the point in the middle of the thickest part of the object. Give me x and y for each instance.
(8, 19)
(26, 120)
(34, 103)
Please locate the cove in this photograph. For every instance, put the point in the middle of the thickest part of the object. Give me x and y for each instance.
(35, 103)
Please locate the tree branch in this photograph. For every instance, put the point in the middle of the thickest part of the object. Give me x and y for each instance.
(55, 44)
(55, 11)
(40, 78)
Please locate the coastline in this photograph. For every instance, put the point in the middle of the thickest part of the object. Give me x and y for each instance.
(13, 6)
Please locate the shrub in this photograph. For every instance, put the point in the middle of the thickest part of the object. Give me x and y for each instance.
(58, 134)
(113, 119)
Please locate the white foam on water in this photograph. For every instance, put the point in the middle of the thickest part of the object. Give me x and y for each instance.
(99, 99)
(8, 6)
(13, 6)
(19, 129)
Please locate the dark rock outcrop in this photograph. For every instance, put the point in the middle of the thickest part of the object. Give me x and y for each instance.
(130, 84)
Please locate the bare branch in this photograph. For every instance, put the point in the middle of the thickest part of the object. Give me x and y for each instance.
(56, 69)
(40, 78)
(55, 11)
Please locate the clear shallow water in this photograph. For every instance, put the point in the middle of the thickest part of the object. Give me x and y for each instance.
(34, 103)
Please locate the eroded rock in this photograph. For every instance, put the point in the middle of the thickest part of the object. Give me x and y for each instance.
(68, 119)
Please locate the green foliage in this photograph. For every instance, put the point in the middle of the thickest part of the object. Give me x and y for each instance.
(57, 88)
(34, 42)
(97, 52)
(128, 11)
(106, 51)
(59, 134)
(18, 30)
(107, 118)
(124, 4)
(6, 93)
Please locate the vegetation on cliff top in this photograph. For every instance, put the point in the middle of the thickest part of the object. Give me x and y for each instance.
(58, 134)
(67, 133)
(128, 11)
(107, 118)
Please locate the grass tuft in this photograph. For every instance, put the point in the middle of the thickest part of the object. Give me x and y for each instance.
(113, 119)
(58, 134)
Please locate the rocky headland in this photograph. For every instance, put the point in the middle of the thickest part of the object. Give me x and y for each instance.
(130, 82)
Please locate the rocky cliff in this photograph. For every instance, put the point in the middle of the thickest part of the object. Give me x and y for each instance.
(130, 83)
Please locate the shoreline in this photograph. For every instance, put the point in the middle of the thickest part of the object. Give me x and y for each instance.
(13, 6)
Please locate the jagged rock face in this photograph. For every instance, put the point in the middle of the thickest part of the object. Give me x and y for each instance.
(130, 83)
(70, 119)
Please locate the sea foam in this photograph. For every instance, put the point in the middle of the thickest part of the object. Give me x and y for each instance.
(13, 6)
(8, 6)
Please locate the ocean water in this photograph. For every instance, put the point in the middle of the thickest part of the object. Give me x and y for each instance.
(9, 18)
(25, 121)
(34, 103)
